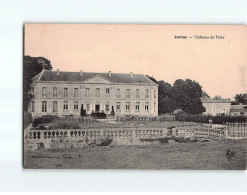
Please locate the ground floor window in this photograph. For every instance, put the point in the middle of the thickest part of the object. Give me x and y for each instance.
(146, 106)
(107, 108)
(127, 106)
(54, 107)
(65, 106)
(88, 108)
(32, 106)
(44, 106)
(75, 105)
(137, 106)
(118, 106)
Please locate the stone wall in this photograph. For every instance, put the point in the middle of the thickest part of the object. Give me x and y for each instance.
(77, 138)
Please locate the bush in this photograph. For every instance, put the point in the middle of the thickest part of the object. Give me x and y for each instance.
(43, 120)
(65, 125)
(27, 119)
(205, 118)
(105, 142)
(99, 115)
(166, 118)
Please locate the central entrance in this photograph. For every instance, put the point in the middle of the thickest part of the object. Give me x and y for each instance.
(97, 108)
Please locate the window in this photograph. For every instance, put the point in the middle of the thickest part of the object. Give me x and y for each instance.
(107, 108)
(44, 91)
(32, 106)
(88, 108)
(137, 106)
(65, 92)
(32, 90)
(127, 93)
(65, 106)
(87, 93)
(118, 93)
(118, 106)
(154, 93)
(76, 105)
(127, 106)
(54, 92)
(154, 106)
(76, 94)
(146, 93)
(54, 107)
(97, 92)
(137, 93)
(107, 91)
(146, 106)
(44, 106)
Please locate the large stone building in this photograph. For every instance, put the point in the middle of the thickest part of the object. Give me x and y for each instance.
(67, 93)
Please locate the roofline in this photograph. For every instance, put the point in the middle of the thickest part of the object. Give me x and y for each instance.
(152, 82)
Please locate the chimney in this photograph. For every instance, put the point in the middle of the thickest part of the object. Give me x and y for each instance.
(81, 72)
(109, 73)
(57, 71)
(131, 74)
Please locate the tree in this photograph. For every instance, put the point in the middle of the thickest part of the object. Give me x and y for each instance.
(31, 67)
(241, 98)
(165, 102)
(187, 94)
(218, 97)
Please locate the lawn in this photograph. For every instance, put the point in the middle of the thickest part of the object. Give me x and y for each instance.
(199, 155)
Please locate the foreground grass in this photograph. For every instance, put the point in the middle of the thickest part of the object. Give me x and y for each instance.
(198, 155)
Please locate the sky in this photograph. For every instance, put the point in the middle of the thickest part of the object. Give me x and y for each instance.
(218, 65)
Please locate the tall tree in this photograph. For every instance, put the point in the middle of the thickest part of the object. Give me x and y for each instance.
(187, 94)
(31, 67)
(241, 98)
(166, 103)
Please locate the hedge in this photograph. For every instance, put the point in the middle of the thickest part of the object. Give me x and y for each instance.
(205, 118)
(27, 119)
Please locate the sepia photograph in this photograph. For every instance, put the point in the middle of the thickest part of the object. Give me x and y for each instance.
(134, 96)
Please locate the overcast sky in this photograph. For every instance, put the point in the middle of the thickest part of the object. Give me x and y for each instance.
(219, 65)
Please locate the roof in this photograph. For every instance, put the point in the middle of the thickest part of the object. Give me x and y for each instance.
(47, 75)
(209, 100)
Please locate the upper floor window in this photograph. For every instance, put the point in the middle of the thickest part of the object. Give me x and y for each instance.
(76, 94)
(107, 91)
(32, 106)
(43, 91)
(54, 92)
(44, 106)
(118, 93)
(155, 94)
(32, 90)
(146, 93)
(87, 93)
(137, 93)
(97, 92)
(65, 92)
(127, 93)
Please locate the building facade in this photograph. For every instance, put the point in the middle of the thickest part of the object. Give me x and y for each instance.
(67, 93)
(216, 106)
(223, 107)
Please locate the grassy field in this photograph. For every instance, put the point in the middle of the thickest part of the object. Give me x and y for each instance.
(198, 155)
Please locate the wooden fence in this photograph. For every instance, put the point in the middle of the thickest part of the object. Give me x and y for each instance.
(236, 130)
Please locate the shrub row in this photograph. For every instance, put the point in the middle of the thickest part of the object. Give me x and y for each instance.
(205, 118)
